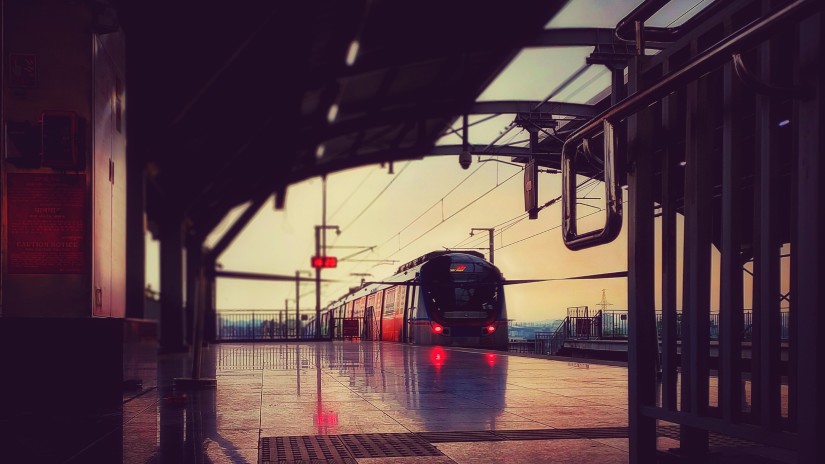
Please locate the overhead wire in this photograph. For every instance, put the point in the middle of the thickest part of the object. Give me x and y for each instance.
(552, 228)
(395, 177)
(452, 215)
(439, 201)
(354, 191)
(508, 224)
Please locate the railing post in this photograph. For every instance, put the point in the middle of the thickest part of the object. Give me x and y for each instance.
(642, 331)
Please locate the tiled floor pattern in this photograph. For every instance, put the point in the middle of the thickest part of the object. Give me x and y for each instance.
(366, 403)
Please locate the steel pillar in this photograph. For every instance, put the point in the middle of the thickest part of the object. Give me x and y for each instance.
(171, 286)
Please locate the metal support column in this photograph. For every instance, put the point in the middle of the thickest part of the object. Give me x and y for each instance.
(671, 124)
(642, 340)
(731, 307)
(808, 248)
(696, 294)
(194, 260)
(210, 315)
(135, 235)
(318, 282)
(171, 286)
(766, 290)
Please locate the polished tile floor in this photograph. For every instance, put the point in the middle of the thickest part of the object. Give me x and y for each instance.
(347, 388)
(348, 402)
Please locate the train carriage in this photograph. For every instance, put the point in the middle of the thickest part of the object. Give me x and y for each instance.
(442, 298)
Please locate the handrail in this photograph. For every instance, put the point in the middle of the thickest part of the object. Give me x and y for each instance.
(612, 195)
(702, 63)
(559, 336)
(713, 57)
(626, 27)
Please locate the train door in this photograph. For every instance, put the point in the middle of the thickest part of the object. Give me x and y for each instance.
(380, 326)
(366, 329)
(409, 310)
(403, 338)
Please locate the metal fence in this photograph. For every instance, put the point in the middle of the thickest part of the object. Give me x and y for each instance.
(613, 324)
(606, 325)
(264, 325)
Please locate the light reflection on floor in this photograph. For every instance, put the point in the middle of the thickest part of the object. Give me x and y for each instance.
(336, 388)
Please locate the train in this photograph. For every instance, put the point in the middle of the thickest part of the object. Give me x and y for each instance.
(446, 298)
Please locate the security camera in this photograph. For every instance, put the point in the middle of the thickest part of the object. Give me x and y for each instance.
(464, 159)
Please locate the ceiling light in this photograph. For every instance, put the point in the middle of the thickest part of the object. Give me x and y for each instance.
(352, 53)
(332, 113)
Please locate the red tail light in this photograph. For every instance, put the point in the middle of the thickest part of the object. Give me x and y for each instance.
(490, 328)
(437, 329)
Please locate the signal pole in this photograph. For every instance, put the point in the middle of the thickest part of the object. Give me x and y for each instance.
(298, 299)
(321, 251)
(489, 230)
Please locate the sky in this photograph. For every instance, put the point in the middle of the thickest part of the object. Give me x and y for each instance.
(432, 203)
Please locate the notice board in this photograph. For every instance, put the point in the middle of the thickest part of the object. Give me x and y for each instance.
(46, 223)
(349, 327)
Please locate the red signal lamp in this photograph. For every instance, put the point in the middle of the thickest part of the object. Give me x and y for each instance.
(437, 329)
(324, 262)
(490, 328)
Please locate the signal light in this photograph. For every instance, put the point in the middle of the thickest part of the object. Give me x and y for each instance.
(321, 262)
(490, 328)
(437, 329)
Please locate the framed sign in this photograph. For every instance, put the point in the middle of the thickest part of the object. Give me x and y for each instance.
(349, 327)
(46, 223)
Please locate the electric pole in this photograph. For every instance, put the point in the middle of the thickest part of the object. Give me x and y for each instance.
(491, 231)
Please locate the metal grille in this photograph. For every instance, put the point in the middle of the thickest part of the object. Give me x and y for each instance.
(385, 445)
(714, 439)
(327, 449)
(457, 437)
(345, 449)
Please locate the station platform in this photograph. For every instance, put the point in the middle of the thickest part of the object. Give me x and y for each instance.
(358, 402)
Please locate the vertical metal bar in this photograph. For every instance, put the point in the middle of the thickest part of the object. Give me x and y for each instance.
(197, 337)
(318, 272)
(298, 303)
(669, 162)
(172, 321)
(492, 245)
(642, 314)
(696, 306)
(731, 305)
(808, 247)
(766, 257)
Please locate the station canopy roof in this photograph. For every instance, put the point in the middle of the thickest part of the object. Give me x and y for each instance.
(233, 101)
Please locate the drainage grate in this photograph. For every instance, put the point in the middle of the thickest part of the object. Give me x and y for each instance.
(326, 449)
(455, 437)
(714, 439)
(386, 445)
(601, 432)
(345, 449)
(537, 434)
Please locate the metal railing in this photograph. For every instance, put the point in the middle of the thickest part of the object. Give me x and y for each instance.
(552, 342)
(262, 325)
(607, 325)
(613, 325)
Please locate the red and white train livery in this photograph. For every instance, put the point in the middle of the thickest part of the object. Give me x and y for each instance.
(442, 298)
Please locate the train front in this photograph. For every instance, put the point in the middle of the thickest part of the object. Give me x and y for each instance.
(463, 298)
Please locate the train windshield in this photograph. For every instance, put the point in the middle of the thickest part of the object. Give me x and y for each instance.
(459, 289)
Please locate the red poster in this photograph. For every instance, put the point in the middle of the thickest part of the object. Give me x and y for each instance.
(46, 226)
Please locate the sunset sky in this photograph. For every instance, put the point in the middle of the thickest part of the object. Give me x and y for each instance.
(281, 242)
